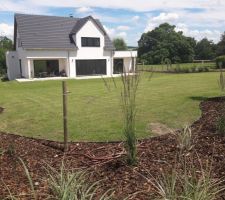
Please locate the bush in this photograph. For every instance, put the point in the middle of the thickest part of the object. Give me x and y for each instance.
(220, 60)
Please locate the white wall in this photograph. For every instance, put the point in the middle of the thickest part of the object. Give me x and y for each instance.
(90, 30)
(67, 58)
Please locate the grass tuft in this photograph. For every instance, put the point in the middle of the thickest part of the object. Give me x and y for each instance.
(128, 96)
(72, 185)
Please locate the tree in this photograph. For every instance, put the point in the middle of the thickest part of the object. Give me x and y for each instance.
(120, 44)
(5, 45)
(165, 43)
(205, 50)
(221, 46)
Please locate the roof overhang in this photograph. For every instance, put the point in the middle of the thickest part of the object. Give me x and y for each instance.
(124, 54)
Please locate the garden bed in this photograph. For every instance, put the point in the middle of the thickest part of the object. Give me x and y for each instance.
(106, 161)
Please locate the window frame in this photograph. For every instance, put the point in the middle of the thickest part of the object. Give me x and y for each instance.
(90, 42)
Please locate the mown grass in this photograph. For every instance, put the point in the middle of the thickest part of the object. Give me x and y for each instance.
(35, 109)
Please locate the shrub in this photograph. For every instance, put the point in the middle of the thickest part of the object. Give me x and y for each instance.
(206, 69)
(200, 69)
(220, 60)
(193, 69)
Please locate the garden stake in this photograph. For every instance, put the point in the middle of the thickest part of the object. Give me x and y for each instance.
(65, 92)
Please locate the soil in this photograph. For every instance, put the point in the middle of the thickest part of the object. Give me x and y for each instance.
(107, 161)
(160, 129)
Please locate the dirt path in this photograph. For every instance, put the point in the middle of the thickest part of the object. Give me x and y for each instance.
(160, 129)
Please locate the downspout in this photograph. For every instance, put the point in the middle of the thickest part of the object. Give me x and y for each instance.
(112, 63)
(68, 63)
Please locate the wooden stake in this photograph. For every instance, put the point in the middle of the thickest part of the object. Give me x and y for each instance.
(64, 88)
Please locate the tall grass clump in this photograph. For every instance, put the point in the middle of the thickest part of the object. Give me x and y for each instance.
(65, 184)
(128, 95)
(184, 139)
(189, 185)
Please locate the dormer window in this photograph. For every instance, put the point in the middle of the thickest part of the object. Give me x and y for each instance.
(90, 42)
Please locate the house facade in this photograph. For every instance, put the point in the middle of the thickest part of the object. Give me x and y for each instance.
(50, 46)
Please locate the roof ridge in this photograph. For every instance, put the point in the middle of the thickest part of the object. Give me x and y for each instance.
(25, 14)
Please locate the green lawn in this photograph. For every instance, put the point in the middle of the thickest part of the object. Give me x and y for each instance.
(35, 108)
(210, 65)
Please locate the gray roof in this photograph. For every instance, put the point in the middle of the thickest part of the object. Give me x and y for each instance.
(52, 32)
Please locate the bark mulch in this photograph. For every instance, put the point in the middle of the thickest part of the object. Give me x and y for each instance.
(107, 162)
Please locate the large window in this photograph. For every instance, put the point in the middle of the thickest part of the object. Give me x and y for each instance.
(90, 42)
(91, 67)
(45, 68)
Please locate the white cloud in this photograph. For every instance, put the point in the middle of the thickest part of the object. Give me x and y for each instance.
(136, 5)
(123, 28)
(84, 9)
(122, 35)
(208, 21)
(114, 33)
(184, 24)
(135, 18)
(161, 18)
(6, 30)
(165, 17)
(199, 34)
(22, 6)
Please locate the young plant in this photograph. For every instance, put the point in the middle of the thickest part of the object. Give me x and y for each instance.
(191, 184)
(72, 185)
(128, 95)
(184, 139)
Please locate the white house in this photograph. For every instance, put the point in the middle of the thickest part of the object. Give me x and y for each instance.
(49, 46)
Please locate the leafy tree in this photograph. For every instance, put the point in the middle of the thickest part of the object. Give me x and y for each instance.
(165, 43)
(221, 45)
(120, 44)
(5, 45)
(205, 50)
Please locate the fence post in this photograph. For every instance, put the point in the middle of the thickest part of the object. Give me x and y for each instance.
(65, 92)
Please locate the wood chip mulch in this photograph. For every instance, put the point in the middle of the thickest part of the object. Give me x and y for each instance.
(106, 161)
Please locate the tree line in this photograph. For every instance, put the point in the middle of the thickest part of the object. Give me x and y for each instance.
(164, 42)
(5, 45)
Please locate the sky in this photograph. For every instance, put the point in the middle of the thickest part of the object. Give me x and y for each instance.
(128, 18)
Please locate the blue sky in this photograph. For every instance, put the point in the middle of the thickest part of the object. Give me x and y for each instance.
(128, 18)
